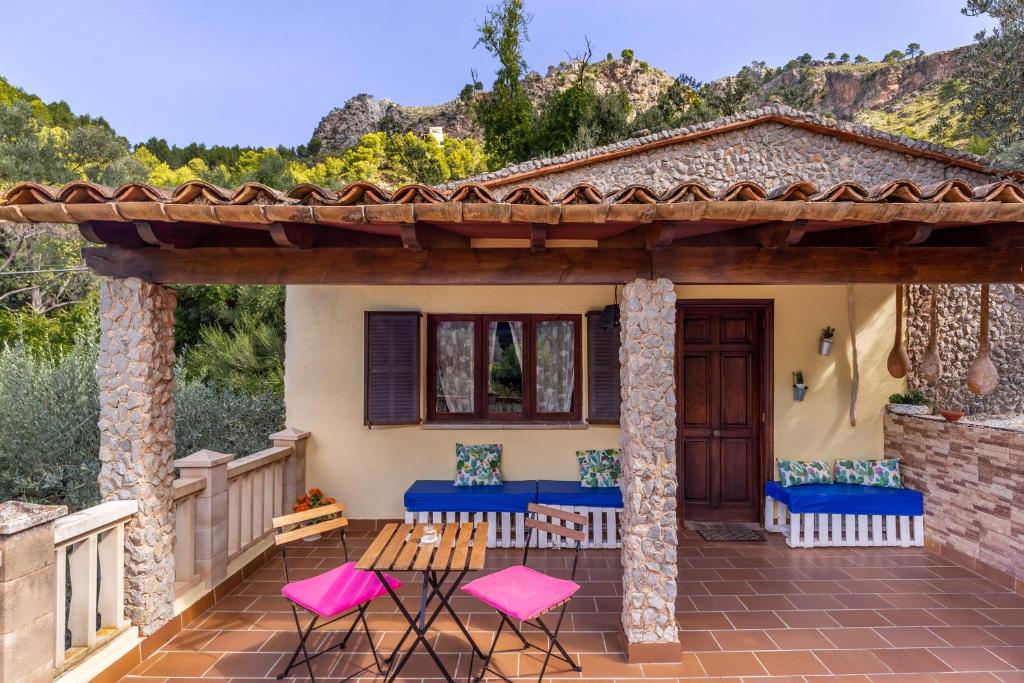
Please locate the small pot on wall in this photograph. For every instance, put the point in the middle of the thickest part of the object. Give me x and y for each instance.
(799, 391)
(825, 341)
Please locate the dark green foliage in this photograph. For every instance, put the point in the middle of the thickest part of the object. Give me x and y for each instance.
(914, 51)
(993, 97)
(578, 118)
(861, 59)
(506, 113)
(224, 306)
(627, 55)
(894, 56)
(800, 94)
(224, 420)
(913, 398)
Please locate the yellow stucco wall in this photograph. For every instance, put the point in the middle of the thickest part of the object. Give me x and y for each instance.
(371, 468)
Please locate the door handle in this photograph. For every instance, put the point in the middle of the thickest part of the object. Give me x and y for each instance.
(716, 433)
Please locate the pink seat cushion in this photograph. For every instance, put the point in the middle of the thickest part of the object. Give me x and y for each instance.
(520, 592)
(337, 590)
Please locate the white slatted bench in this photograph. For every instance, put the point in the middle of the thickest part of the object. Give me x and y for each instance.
(503, 508)
(844, 515)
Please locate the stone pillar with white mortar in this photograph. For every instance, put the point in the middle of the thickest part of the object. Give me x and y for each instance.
(648, 441)
(136, 379)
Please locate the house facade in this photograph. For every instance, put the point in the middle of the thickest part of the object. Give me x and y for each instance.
(425, 317)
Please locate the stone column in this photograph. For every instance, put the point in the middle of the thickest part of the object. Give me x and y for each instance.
(648, 440)
(295, 465)
(136, 378)
(27, 591)
(211, 513)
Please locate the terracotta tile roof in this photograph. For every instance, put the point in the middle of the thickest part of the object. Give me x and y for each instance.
(769, 112)
(357, 203)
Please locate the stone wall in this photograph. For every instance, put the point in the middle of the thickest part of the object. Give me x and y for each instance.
(959, 311)
(136, 377)
(972, 478)
(648, 441)
(771, 153)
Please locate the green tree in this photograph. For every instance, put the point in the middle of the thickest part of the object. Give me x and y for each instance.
(506, 113)
(830, 57)
(914, 51)
(844, 58)
(27, 150)
(90, 149)
(993, 99)
(627, 55)
(861, 59)
(893, 56)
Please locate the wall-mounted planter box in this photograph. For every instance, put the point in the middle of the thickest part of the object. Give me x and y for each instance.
(907, 409)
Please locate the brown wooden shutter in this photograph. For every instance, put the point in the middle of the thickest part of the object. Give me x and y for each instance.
(603, 394)
(392, 368)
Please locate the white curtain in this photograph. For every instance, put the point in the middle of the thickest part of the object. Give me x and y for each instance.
(455, 366)
(556, 366)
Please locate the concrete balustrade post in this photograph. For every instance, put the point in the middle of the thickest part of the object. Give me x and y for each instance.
(27, 589)
(648, 440)
(210, 521)
(135, 370)
(295, 465)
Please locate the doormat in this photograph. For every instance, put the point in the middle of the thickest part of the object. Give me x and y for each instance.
(729, 532)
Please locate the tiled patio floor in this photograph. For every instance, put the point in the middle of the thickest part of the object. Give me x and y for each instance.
(749, 612)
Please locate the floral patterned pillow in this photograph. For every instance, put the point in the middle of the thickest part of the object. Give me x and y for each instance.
(600, 468)
(853, 471)
(797, 473)
(818, 472)
(478, 465)
(886, 473)
(792, 473)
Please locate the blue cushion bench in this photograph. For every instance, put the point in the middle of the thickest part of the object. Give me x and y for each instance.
(503, 508)
(430, 495)
(845, 514)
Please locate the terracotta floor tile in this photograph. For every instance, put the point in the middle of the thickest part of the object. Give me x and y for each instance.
(909, 617)
(1012, 655)
(1010, 635)
(807, 619)
(910, 636)
(799, 639)
(744, 640)
(912, 660)
(962, 617)
(854, 638)
(859, 617)
(698, 641)
(1005, 617)
(851, 661)
(689, 666)
(703, 621)
(795, 663)
(178, 664)
(731, 664)
(238, 641)
(717, 603)
(970, 659)
(754, 619)
(766, 602)
(964, 636)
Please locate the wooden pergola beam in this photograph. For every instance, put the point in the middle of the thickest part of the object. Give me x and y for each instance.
(681, 264)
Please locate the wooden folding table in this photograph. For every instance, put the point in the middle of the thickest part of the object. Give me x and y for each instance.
(459, 549)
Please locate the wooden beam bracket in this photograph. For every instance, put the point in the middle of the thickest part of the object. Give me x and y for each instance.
(293, 235)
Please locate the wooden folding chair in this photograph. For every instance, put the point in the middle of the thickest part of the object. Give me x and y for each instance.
(522, 594)
(332, 595)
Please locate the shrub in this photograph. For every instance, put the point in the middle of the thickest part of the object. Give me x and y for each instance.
(49, 408)
(913, 398)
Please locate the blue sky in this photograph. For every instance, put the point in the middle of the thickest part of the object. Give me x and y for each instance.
(264, 73)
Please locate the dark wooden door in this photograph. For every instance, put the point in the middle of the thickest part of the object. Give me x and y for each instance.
(720, 411)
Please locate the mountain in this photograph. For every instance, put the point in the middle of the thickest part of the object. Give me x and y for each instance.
(906, 97)
(342, 127)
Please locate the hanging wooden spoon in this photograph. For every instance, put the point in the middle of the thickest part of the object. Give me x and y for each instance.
(931, 364)
(898, 362)
(982, 378)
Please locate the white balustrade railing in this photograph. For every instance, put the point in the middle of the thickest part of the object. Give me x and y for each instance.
(255, 497)
(185, 493)
(89, 557)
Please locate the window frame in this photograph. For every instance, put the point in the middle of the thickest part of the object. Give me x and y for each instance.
(481, 378)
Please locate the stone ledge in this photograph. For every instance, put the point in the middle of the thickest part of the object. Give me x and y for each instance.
(16, 515)
(968, 422)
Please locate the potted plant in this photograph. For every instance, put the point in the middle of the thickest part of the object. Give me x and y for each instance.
(315, 498)
(799, 388)
(825, 342)
(909, 403)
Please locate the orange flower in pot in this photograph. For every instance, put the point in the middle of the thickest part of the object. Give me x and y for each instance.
(311, 500)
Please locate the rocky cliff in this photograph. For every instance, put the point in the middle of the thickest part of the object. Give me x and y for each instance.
(895, 96)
